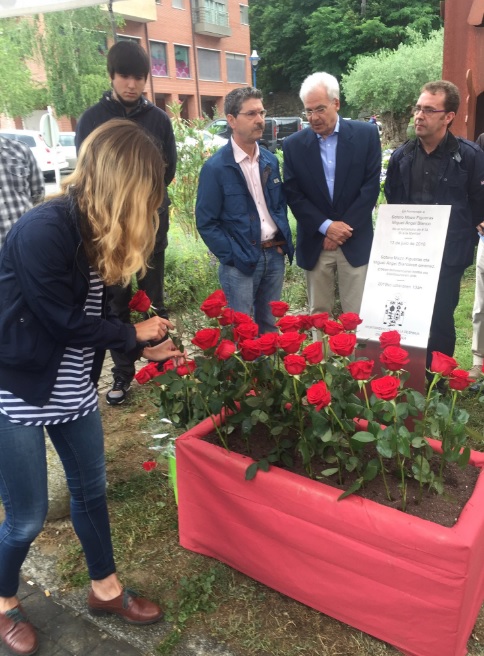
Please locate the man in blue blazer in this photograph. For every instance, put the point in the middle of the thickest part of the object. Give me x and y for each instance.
(332, 181)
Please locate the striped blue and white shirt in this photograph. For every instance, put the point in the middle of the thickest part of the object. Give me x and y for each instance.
(74, 394)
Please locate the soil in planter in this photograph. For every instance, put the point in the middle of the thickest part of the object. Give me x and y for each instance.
(441, 509)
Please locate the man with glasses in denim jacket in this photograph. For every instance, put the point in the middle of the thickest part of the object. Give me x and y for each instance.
(241, 212)
(439, 168)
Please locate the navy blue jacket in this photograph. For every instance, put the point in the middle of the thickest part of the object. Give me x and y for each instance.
(356, 189)
(227, 216)
(460, 184)
(44, 282)
(155, 121)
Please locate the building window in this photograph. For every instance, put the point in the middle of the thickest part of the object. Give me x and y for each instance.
(209, 64)
(178, 4)
(124, 37)
(235, 67)
(159, 66)
(244, 14)
(182, 61)
(215, 12)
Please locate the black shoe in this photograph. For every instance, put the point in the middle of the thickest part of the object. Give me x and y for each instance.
(117, 393)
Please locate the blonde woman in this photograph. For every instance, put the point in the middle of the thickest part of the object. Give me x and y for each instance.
(54, 329)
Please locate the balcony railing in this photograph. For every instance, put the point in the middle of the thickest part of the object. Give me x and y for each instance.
(211, 22)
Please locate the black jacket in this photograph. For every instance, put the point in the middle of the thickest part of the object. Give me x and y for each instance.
(460, 184)
(156, 122)
(44, 282)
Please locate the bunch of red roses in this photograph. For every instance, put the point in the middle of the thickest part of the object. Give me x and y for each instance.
(309, 393)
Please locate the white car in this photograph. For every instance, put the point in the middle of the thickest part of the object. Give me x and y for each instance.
(66, 140)
(42, 153)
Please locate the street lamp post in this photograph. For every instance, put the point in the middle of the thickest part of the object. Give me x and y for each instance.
(254, 60)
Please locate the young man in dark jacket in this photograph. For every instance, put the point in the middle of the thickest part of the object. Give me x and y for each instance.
(439, 168)
(128, 67)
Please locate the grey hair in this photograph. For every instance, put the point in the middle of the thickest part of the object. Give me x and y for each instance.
(235, 99)
(317, 81)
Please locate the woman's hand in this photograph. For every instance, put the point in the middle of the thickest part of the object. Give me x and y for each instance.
(152, 329)
(163, 351)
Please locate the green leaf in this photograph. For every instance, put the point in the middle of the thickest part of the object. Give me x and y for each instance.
(353, 488)
(363, 436)
(329, 472)
(371, 470)
(263, 465)
(253, 401)
(251, 471)
(464, 457)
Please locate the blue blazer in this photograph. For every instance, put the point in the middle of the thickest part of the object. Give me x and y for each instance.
(356, 189)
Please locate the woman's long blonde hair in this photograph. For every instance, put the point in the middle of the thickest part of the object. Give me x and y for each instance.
(118, 185)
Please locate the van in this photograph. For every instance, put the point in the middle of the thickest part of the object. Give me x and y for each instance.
(221, 128)
(42, 153)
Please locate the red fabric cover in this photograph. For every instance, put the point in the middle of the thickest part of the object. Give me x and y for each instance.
(404, 580)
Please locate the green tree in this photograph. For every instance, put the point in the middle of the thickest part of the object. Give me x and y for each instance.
(18, 92)
(388, 82)
(296, 38)
(72, 47)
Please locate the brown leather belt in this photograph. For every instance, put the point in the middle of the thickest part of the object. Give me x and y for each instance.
(271, 242)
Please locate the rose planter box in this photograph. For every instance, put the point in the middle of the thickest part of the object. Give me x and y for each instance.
(408, 581)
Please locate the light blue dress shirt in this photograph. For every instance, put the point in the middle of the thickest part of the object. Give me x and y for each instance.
(327, 149)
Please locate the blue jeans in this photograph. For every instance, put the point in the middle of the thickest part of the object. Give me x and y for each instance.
(252, 294)
(23, 488)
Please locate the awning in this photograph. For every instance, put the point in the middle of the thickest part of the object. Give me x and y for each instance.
(29, 7)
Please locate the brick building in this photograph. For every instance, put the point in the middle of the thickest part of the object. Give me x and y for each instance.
(199, 50)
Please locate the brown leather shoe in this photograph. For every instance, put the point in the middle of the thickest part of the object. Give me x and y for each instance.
(17, 633)
(128, 606)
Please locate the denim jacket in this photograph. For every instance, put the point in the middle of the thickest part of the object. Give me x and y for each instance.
(227, 217)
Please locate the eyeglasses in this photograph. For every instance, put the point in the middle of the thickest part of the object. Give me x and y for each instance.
(253, 113)
(427, 111)
(319, 111)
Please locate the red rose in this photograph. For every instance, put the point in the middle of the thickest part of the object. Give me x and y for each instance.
(206, 338)
(319, 395)
(343, 344)
(278, 308)
(186, 368)
(240, 317)
(288, 324)
(291, 342)
(385, 388)
(318, 320)
(247, 330)
(226, 317)
(250, 350)
(390, 338)
(459, 380)
(149, 465)
(212, 306)
(361, 369)
(147, 372)
(350, 320)
(442, 364)
(169, 365)
(331, 327)
(313, 352)
(295, 364)
(225, 349)
(268, 343)
(394, 358)
(305, 321)
(140, 302)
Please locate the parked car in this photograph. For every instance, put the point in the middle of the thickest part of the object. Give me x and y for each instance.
(42, 153)
(287, 125)
(66, 140)
(268, 139)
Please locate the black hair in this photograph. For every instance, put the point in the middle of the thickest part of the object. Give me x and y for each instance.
(128, 58)
(235, 99)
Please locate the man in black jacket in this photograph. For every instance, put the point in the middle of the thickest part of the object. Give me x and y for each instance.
(438, 168)
(128, 67)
